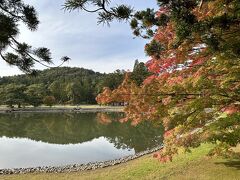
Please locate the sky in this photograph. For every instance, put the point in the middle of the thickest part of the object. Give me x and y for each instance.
(77, 35)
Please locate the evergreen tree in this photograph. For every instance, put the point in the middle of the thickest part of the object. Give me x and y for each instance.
(140, 73)
(13, 52)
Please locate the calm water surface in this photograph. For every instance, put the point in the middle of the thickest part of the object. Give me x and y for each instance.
(53, 139)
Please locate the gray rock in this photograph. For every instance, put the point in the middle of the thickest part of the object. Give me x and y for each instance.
(76, 167)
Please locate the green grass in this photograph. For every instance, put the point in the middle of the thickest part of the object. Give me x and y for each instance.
(188, 166)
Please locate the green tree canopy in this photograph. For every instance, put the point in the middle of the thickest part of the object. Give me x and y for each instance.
(35, 94)
(12, 94)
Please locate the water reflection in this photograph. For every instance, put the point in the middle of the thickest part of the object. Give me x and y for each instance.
(37, 139)
(23, 152)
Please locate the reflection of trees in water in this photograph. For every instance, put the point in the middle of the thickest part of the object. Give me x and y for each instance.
(104, 118)
(124, 135)
(65, 128)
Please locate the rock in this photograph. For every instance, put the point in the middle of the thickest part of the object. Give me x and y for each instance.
(75, 167)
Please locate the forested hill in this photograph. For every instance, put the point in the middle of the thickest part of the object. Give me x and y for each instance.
(50, 75)
(62, 85)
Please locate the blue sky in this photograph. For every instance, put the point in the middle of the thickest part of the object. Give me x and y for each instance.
(78, 36)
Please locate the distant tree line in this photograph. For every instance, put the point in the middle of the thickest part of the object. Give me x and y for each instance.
(61, 85)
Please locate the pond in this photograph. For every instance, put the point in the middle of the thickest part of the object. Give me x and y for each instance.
(55, 139)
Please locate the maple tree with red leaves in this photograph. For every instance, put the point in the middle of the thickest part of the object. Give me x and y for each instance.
(194, 90)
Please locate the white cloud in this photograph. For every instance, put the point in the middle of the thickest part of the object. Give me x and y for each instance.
(77, 35)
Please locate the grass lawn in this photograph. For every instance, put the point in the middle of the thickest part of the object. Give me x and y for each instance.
(193, 165)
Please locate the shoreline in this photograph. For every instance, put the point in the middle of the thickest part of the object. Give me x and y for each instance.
(78, 167)
(61, 109)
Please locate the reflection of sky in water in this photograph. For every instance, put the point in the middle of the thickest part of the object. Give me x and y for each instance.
(21, 152)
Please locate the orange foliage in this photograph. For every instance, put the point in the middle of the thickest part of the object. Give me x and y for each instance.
(186, 81)
(105, 96)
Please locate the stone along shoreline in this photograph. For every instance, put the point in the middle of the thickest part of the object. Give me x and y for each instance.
(61, 109)
(77, 167)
